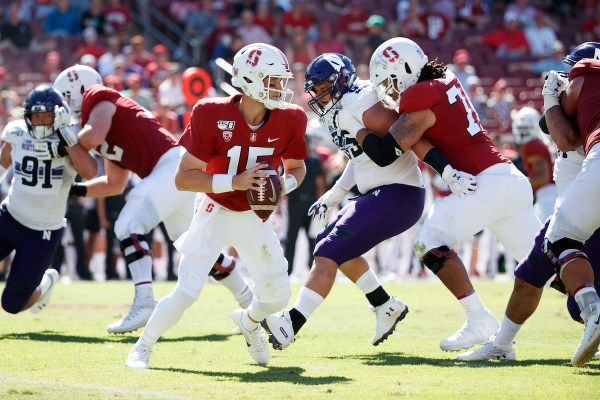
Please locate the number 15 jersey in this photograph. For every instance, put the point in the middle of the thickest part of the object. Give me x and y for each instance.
(457, 132)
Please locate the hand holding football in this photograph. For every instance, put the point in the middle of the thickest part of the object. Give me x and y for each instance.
(264, 201)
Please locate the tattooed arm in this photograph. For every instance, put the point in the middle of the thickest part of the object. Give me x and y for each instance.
(410, 127)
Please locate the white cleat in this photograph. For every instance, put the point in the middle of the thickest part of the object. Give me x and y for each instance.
(488, 352)
(477, 329)
(44, 299)
(255, 340)
(387, 317)
(279, 327)
(591, 335)
(139, 357)
(138, 317)
(597, 355)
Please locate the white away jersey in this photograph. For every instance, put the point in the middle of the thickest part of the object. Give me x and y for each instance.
(343, 122)
(38, 195)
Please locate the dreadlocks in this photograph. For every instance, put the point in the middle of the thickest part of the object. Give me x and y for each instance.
(432, 70)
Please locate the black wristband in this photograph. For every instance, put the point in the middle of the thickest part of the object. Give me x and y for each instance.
(436, 160)
(77, 189)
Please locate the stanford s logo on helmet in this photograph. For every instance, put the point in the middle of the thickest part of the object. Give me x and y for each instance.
(334, 68)
(42, 99)
(75, 80)
(255, 62)
(395, 66)
(584, 50)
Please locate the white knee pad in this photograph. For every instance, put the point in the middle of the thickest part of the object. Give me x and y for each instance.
(191, 279)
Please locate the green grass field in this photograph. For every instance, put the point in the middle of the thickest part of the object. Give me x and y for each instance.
(64, 352)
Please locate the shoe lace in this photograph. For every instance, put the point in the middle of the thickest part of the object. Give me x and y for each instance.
(256, 339)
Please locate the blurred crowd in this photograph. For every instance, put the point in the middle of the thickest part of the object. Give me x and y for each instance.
(498, 49)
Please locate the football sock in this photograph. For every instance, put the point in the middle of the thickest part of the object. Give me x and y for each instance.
(236, 284)
(371, 287)
(507, 333)
(141, 273)
(472, 302)
(167, 314)
(247, 323)
(308, 301)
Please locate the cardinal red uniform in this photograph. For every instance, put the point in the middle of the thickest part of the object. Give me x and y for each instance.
(503, 199)
(138, 143)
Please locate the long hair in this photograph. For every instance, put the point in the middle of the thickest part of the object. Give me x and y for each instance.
(432, 70)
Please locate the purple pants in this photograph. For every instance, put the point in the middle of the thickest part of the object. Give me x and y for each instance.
(33, 255)
(378, 215)
(537, 270)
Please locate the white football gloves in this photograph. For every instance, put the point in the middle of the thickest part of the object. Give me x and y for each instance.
(62, 125)
(328, 201)
(459, 182)
(555, 84)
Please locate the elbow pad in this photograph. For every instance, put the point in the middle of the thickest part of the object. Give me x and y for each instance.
(383, 151)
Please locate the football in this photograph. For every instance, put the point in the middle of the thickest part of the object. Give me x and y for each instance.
(265, 201)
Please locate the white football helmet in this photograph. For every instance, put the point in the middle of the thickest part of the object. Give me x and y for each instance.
(395, 66)
(255, 62)
(75, 80)
(525, 124)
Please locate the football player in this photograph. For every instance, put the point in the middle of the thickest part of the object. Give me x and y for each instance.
(45, 157)
(434, 105)
(225, 141)
(130, 139)
(582, 282)
(537, 159)
(391, 193)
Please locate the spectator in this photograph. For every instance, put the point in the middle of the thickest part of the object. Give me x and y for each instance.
(180, 9)
(437, 25)
(52, 67)
(165, 115)
(200, 23)
(375, 36)
(327, 42)
(540, 67)
(15, 33)
(412, 26)
(89, 60)
(130, 66)
(523, 11)
(171, 90)
(242, 5)
(267, 19)
(3, 84)
(116, 80)
(62, 20)
(501, 103)
(352, 28)
(215, 36)
(158, 70)
(94, 17)
(135, 91)
(509, 41)
(477, 96)
(590, 29)
(297, 17)
(90, 44)
(298, 48)
(140, 56)
(462, 67)
(475, 15)
(250, 32)
(540, 36)
(118, 17)
(106, 62)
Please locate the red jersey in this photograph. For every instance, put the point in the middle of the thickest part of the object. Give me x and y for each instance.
(536, 147)
(588, 105)
(457, 132)
(219, 135)
(135, 140)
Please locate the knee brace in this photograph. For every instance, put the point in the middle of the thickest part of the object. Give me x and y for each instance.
(434, 258)
(139, 252)
(553, 251)
(218, 271)
(15, 297)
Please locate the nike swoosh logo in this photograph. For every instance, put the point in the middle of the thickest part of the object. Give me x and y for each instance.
(272, 140)
(598, 320)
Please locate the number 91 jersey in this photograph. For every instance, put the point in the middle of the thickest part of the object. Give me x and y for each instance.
(457, 132)
(38, 195)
